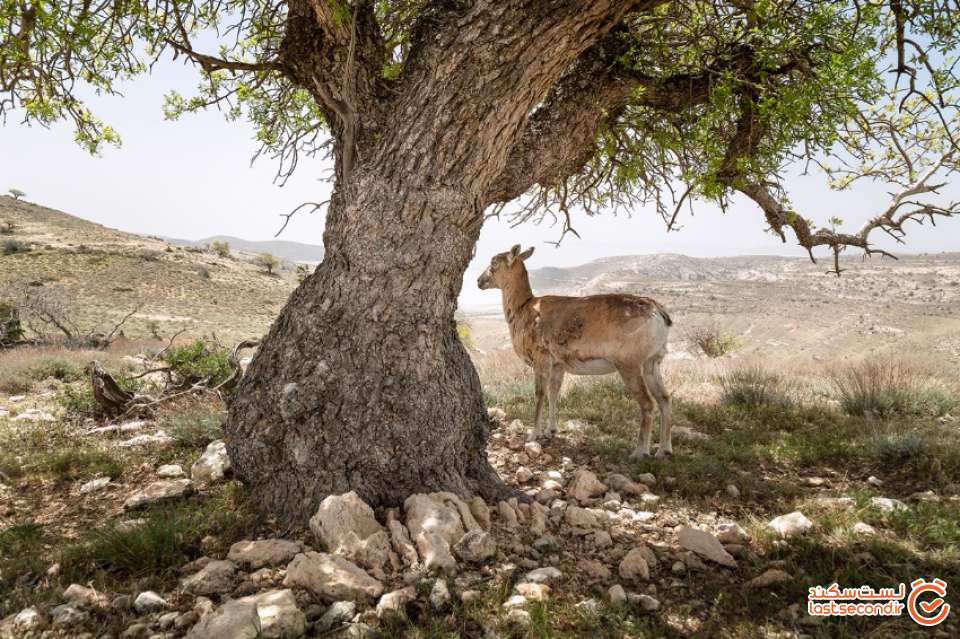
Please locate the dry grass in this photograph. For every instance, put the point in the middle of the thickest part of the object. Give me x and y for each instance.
(889, 388)
(24, 366)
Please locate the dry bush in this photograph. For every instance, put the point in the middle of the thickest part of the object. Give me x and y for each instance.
(713, 342)
(886, 388)
(753, 385)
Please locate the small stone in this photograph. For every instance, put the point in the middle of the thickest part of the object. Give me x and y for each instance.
(678, 568)
(887, 505)
(585, 486)
(588, 606)
(625, 485)
(518, 617)
(470, 596)
(648, 500)
(634, 566)
(533, 449)
(533, 591)
(331, 577)
(545, 575)
(167, 620)
(170, 471)
(645, 602)
(136, 631)
(186, 619)
(264, 552)
(732, 533)
(864, 529)
(601, 539)
(594, 569)
(508, 516)
(158, 491)
(67, 616)
(83, 596)
(213, 464)
(216, 577)
(771, 577)
(580, 517)
(617, 596)
(94, 485)
(148, 601)
(440, 595)
(235, 619)
(476, 546)
(480, 512)
(29, 620)
(337, 614)
(360, 631)
(203, 606)
(874, 481)
(733, 492)
(280, 616)
(496, 414)
(392, 606)
(523, 474)
(647, 478)
(515, 601)
(790, 525)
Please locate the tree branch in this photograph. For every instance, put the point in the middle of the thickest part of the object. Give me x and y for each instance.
(560, 137)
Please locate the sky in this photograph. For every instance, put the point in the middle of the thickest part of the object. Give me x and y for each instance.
(193, 178)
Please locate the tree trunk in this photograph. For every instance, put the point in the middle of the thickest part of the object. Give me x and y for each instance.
(362, 383)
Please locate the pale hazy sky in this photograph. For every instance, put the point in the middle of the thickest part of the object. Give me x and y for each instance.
(192, 178)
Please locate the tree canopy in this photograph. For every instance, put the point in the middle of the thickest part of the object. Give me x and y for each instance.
(677, 101)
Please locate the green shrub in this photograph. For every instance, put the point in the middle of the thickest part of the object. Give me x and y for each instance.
(56, 368)
(267, 262)
(194, 426)
(712, 342)
(220, 247)
(752, 386)
(199, 361)
(465, 335)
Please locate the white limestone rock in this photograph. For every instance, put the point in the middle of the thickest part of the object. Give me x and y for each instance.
(331, 578)
(213, 464)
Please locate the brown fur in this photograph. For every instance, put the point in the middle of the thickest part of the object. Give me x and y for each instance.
(588, 335)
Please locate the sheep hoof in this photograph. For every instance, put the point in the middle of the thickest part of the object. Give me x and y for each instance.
(661, 453)
(640, 454)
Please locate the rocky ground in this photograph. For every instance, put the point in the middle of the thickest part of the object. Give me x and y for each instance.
(594, 544)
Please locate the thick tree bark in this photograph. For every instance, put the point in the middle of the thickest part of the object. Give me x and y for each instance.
(362, 383)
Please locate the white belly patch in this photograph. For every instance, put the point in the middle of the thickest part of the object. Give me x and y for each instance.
(596, 366)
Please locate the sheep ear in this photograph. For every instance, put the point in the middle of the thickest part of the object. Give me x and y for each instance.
(515, 250)
(526, 253)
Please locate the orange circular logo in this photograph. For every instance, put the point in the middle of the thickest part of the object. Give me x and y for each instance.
(929, 612)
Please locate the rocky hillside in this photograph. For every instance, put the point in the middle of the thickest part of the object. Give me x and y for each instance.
(100, 274)
(286, 250)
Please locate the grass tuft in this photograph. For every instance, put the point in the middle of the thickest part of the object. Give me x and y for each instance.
(889, 389)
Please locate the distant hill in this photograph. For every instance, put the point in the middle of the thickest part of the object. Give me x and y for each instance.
(290, 251)
(100, 274)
